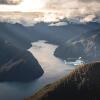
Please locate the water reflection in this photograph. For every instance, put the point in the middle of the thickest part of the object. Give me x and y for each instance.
(54, 69)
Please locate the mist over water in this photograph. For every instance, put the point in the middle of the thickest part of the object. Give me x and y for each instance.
(53, 67)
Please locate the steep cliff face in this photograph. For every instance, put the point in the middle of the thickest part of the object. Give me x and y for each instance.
(17, 64)
(81, 84)
(85, 46)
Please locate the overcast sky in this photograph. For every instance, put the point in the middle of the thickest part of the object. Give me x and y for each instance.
(67, 8)
(52, 4)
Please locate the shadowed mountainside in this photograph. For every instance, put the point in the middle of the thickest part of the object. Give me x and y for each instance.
(81, 84)
(22, 36)
(85, 45)
(18, 38)
(17, 65)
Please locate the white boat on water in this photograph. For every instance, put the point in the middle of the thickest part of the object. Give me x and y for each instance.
(78, 61)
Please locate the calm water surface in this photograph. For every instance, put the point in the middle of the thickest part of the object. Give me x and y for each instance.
(53, 67)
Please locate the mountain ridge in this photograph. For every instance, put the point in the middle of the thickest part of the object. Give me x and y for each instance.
(81, 84)
(85, 45)
(17, 65)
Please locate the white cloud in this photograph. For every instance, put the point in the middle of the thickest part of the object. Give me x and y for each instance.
(59, 24)
(54, 10)
(88, 18)
(85, 10)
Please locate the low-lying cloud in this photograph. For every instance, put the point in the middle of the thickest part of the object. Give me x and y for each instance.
(75, 8)
(55, 10)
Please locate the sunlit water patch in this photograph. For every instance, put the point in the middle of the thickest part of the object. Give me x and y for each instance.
(44, 53)
(53, 67)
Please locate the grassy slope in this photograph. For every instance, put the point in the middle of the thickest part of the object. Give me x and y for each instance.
(81, 84)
